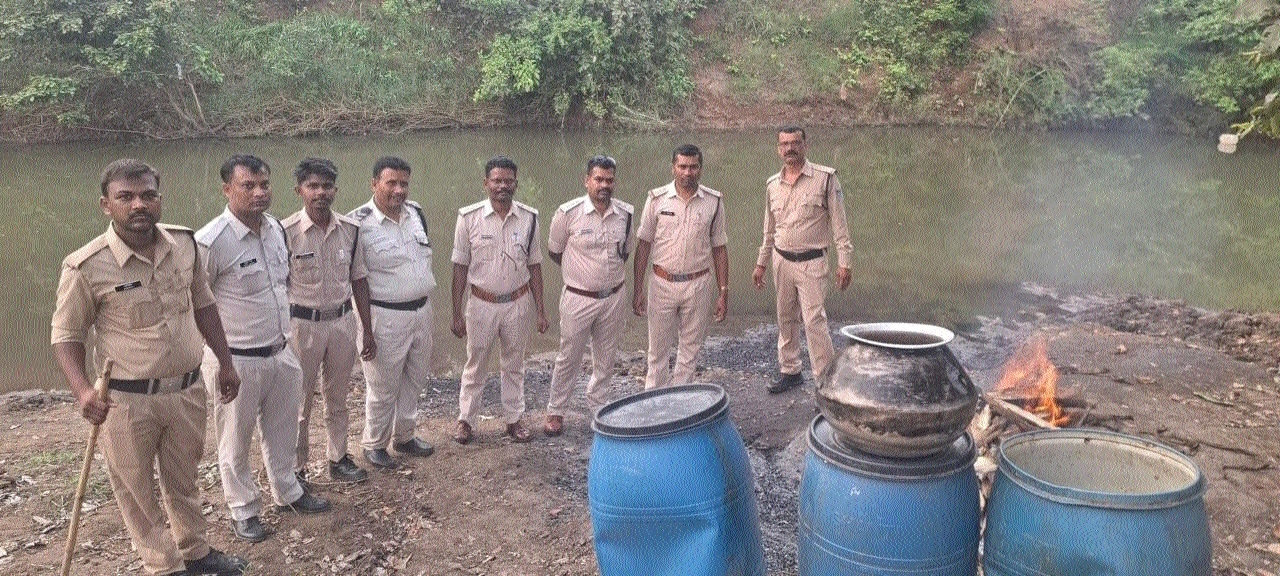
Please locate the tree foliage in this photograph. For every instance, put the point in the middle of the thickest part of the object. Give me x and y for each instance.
(80, 53)
(605, 57)
(1264, 115)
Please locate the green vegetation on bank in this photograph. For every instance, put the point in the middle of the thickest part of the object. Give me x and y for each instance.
(175, 68)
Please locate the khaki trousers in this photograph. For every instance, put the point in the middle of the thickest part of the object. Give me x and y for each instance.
(331, 345)
(583, 319)
(506, 325)
(166, 430)
(678, 312)
(269, 399)
(802, 292)
(396, 376)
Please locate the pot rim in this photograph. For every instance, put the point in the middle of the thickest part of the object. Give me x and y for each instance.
(854, 332)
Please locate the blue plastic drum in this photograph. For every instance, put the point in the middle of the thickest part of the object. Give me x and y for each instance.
(671, 489)
(1091, 502)
(862, 514)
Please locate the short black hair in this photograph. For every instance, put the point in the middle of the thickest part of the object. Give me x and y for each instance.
(250, 162)
(315, 167)
(601, 161)
(686, 150)
(500, 162)
(392, 162)
(126, 169)
(792, 129)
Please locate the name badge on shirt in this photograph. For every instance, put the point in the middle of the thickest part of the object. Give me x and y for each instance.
(248, 263)
(585, 231)
(128, 286)
(486, 236)
(304, 256)
(666, 213)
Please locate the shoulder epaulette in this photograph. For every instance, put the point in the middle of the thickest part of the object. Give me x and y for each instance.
(625, 207)
(775, 177)
(293, 219)
(526, 207)
(656, 192)
(81, 255)
(206, 234)
(176, 228)
(712, 191)
(343, 219)
(360, 213)
(469, 208)
(821, 168)
(570, 205)
(413, 203)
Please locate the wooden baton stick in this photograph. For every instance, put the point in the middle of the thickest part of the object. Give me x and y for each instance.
(100, 388)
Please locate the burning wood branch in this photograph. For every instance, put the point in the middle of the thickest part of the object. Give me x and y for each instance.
(1030, 374)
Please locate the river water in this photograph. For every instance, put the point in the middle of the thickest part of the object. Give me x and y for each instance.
(943, 221)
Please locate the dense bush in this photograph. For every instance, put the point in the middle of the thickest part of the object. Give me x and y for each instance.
(611, 58)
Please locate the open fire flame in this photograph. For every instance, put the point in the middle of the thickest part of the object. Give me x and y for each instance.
(1030, 375)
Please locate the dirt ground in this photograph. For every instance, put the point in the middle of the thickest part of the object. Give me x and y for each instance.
(1201, 381)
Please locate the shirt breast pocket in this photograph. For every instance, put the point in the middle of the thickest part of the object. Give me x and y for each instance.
(175, 291)
(306, 271)
(252, 279)
(484, 248)
(138, 307)
(814, 205)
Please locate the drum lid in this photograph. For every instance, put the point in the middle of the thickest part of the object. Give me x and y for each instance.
(825, 441)
(661, 411)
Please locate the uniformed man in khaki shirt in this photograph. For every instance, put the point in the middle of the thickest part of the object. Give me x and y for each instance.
(497, 272)
(590, 238)
(326, 270)
(143, 289)
(804, 215)
(396, 247)
(682, 232)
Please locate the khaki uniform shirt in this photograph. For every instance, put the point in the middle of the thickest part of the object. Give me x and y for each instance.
(594, 245)
(806, 215)
(323, 261)
(396, 253)
(142, 310)
(249, 276)
(496, 250)
(682, 234)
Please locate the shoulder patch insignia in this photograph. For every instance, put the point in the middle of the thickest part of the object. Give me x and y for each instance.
(625, 207)
(360, 213)
(526, 208)
(469, 208)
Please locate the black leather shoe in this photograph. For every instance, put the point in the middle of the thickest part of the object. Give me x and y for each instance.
(414, 447)
(215, 562)
(786, 382)
(249, 529)
(380, 459)
(345, 470)
(306, 504)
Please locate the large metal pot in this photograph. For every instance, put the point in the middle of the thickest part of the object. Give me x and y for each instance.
(897, 390)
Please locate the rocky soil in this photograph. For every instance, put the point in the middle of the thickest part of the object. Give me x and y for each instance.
(1201, 381)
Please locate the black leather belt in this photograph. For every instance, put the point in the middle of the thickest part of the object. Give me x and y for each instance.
(410, 305)
(261, 351)
(156, 385)
(805, 256)
(315, 315)
(598, 294)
